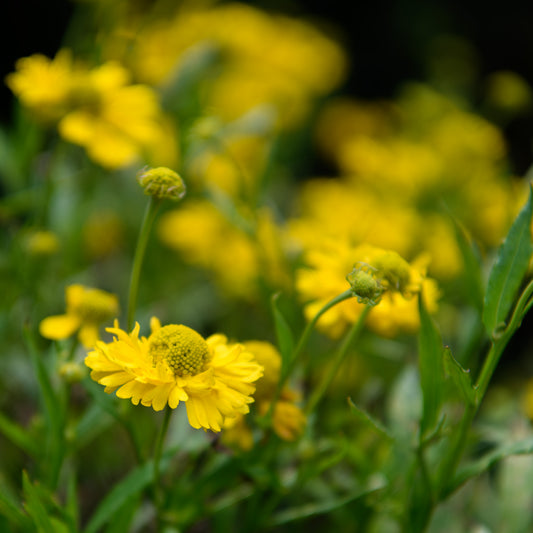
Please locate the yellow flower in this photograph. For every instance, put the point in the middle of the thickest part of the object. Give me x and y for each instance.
(113, 120)
(42, 84)
(87, 308)
(175, 363)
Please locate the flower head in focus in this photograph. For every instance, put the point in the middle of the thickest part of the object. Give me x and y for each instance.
(86, 309)
(176, 364)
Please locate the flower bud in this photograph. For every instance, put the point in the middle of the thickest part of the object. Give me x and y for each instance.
(365, 286)
(161, 182)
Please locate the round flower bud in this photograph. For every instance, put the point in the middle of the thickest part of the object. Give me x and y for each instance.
(161, 182)
(364, 286)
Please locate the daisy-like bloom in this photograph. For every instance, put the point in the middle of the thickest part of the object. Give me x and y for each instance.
(87, 308)
(288, 420)
(176, 364)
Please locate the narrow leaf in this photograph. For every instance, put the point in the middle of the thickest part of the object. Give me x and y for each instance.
(473, 275)
(121, 493)
(476, 468)
(283, 331)
(430, 366)
(509, 270)
(10, 509)
(317, 508)
(460, 377)
(35, 507)
(18, 436)
(370, 421)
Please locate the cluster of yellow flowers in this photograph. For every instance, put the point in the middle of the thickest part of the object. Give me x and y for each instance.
(267, 59)
(406, 167)
(98, 108)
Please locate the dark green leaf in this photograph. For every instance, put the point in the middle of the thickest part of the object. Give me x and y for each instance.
(11, 509)
(509, 270)
(460, 377)
(123, 491)
(473, 275)
(18, 436)
(283, 331)
(430, 367)
(317, 508)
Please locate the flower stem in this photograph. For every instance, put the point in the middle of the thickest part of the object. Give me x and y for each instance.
(340, 356)
(149, 216)
(286, 372)
(158, 494)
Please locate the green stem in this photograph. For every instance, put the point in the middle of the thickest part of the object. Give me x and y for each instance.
(149, 216)
(340, 356)
(158, 493)
(286, 372)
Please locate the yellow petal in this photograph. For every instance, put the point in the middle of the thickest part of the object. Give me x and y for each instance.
(88, 335)
(59, 326)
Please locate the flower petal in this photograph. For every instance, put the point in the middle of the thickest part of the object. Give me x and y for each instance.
(59, 326)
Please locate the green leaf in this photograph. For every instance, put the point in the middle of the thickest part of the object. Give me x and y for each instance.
(317, 508)
(479, 466)
(11, 509)
(35, 507)
(123, 491)
(430, 366)
(368, 420)
(283, 331)
(460, 377)
(509, 270)
(18, 436)
(473, 274)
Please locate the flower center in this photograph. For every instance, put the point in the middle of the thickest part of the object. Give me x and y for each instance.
(183, 350)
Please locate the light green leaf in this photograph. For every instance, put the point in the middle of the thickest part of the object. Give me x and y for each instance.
(509, 270)
(283, 331)
(430, 366)
(35, 507)
(479, 466)
(11, 510)
(368, 420)
(460, 377)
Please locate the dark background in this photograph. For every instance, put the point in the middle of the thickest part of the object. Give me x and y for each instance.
(389, 41)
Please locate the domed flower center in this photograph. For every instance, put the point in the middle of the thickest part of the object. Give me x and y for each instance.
(183, 350)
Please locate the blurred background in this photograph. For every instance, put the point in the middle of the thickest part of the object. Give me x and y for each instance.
(389, 41)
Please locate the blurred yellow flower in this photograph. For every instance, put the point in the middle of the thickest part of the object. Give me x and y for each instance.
(288, 420)
(113, 120)
(87, 308)
(237, 258)
(99, 109)
(41, 243)
(214, 379)
(43, 85)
